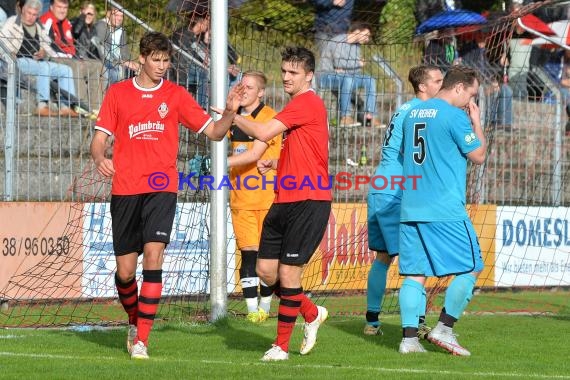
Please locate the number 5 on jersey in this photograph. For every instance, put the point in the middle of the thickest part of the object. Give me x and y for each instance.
(419, 143)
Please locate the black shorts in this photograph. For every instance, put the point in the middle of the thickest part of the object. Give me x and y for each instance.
(293, 231)
(140, 219)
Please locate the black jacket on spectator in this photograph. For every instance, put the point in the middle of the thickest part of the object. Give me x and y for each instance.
(83, 35)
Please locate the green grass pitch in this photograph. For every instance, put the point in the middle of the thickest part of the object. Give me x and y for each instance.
(503, 346)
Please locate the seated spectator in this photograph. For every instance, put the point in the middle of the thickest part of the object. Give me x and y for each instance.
(28, 41)
(332, 17)
(442, 52)
(112, 44)
(499, 94)
(194, 73)
(9, 7)
(83, 28)
(340, 68)
(59, 28)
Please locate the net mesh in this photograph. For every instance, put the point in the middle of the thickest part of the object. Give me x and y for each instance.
(64, 273)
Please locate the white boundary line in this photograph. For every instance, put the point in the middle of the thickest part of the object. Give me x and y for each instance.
(314, 366)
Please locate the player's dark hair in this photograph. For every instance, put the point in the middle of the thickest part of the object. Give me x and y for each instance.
(155, 42)
(459, 74)
(299, 54)
(420, 74)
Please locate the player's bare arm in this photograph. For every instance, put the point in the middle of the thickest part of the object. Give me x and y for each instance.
(98, 144)
(261, 131)
(249, 156)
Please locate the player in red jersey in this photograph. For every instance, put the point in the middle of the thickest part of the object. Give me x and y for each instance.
(298, 218)
(143, 114)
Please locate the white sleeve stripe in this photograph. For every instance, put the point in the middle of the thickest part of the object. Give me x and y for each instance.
(103, 130)
(205, 125)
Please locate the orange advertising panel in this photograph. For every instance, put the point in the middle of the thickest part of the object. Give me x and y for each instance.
(39, 256)
(484, 219)
(342, 260)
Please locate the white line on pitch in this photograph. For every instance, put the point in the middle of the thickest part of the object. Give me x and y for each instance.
(315, 366)
(13, 336)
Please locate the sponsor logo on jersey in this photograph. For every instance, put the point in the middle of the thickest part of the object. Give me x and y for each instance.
(163, 110)
(240, 149)
(469, 138)
(141, 128)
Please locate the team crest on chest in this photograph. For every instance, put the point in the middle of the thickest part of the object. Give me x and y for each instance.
(163, 110)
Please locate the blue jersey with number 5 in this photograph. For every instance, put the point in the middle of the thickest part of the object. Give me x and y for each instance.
(437, 137)
(391, 165)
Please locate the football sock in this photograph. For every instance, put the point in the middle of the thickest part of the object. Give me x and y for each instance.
(289, 306)
(128, 296)
(375, 291)
(266, 293)
(308, 309)
(410, 297)
(458, 294)
(248, 279)
(423, 305)
(149, 299)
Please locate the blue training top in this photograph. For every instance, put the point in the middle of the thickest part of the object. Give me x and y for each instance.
(390, 167)
(437, 138)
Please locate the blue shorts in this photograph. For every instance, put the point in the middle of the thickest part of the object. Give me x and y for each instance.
(384, 223)
(439, 249)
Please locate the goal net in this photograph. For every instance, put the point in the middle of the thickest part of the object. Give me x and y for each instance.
(58, 268)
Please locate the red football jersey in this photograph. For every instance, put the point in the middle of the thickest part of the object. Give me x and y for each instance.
(145, 124)
(303, 167)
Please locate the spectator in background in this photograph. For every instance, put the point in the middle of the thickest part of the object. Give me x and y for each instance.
(113, 49)
(558, 69)
(519, 57)
(233, 60)
(9, 7)
(340, 68)
(28, 41)
(441, 51)
(332, 17)
(428, 8)
(83, 28)
(499, 110)
(194, 73)
(59, 28)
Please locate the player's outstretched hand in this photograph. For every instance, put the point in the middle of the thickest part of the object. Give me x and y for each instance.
(234, 97)
(232, 101)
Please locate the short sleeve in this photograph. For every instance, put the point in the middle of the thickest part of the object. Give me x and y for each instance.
(463, 134)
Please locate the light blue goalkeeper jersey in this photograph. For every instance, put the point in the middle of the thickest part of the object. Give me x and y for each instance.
(391, 164)
(437, 137)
